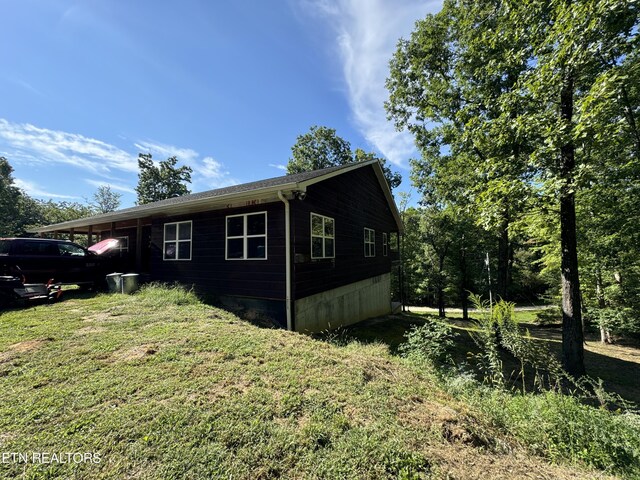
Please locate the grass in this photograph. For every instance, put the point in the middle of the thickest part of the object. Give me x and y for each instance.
(556, 426)
(158, 385)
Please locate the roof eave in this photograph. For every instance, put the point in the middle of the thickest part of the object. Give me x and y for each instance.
(166, 209)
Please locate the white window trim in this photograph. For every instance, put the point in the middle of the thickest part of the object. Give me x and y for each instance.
(245, 236)
(120, 247)
(368, 241)
(323, 236)
(177, 241)
(385, 244)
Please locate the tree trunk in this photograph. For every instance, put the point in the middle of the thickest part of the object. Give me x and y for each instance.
(572, 334)
(605, 334)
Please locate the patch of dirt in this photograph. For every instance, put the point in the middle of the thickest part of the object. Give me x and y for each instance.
(229, 387)
(98, 317)
(135, 353)
(22, 347)
(463, 461)
(450, 424)
(89, 330)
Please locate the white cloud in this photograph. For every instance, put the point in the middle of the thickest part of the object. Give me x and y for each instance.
(163, 151)
(113, 186)
(366, 34)
(31, 145)
(34, 190)
(207, 172)
(40, 145)
(212, 173)
(279, 167)
(24, 84)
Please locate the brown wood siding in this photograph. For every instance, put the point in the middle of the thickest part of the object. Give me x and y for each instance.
(354, 200)
(209, 270)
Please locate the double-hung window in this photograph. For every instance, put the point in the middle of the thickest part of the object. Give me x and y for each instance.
(123, 245)
(369, 242)
(246, 236)
(385, 245)
(177, 241)
(323, 237)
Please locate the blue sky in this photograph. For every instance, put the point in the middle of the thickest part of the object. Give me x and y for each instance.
(225, 86)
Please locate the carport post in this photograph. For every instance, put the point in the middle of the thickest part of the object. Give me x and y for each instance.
(90, 236)
(71, 235)
(139, 245)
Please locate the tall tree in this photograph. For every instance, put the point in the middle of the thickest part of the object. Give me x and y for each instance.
(504, 88)
(576, 49)
(9, 201)
(106, 200)
(163, 181)
(321, 147)
(57, 212)
(443, 92)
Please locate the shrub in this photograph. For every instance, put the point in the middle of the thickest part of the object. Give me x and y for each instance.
(431, 342)
(620, 321)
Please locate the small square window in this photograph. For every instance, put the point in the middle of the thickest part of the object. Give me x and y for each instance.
(177, 241)
(247, 236)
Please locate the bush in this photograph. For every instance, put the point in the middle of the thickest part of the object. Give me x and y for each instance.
(619, 321)
(431, 342)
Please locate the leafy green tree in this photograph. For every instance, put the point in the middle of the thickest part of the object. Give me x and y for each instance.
(9, 201)
(413, 257)
(106, 200)
(321, 147)
(575, 51)
(442, 91)
(507, 93)
(50, 212)
(163, 181)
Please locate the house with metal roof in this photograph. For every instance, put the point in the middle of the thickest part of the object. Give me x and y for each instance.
(312, 250)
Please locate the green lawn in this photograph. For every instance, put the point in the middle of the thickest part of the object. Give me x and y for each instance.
(158, 385)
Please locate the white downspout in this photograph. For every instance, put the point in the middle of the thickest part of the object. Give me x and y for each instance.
(287, 248)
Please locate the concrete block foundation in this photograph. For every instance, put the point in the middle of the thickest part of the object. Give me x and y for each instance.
(344, 305)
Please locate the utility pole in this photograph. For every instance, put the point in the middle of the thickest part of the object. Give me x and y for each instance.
(486, 262)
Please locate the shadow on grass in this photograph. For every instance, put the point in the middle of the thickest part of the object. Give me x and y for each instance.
(68, 293)
(617, 365)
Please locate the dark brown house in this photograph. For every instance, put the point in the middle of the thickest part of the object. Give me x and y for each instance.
(311, 250)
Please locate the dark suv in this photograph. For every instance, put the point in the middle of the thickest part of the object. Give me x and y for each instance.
(41, 260)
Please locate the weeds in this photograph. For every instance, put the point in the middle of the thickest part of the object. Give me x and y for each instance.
(558, 423)
(498, 330)
(161, 295)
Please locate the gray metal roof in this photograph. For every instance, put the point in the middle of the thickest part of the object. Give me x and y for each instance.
(285, 182)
